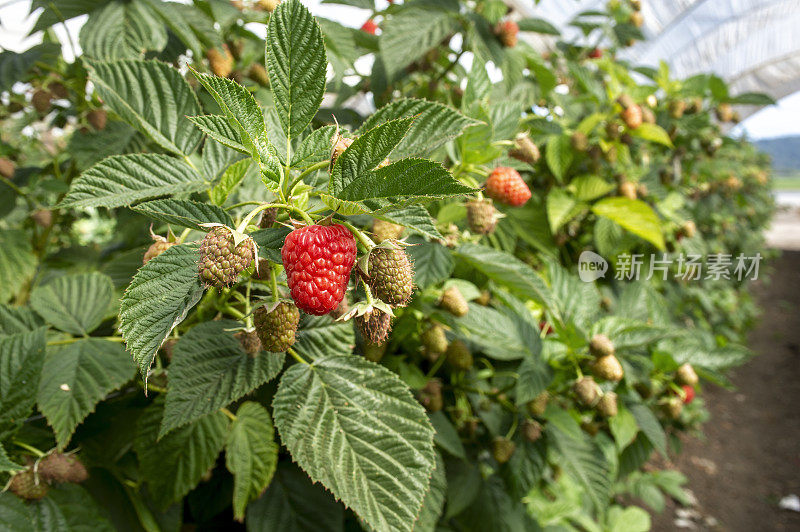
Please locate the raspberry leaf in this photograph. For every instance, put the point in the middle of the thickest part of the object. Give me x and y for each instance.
(433, 504)
(6, 465)
(409, 34)
(415, 217)
(319, 336)
(408, 178)
(559, 154)
(220, 129)
(209, 371)
(21, 359)
(158, 299)
(122, 30)
(17, 263)
(251, 455)
(76, 304)
(635, 216)
(315, 148)
(284, 506)
(124, 179)
(128, 86)
(296, 62)
(246, 117)
(327, 415)
(434, 124)
(184, 213)
(580, 456)
(172, 466)
(76, 377)
(229, 181)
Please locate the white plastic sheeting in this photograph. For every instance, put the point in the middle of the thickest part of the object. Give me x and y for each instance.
(753, 44)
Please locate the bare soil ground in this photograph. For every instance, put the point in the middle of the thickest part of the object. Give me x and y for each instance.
(749, 457)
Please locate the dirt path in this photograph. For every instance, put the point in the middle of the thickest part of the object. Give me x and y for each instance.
(750, 457)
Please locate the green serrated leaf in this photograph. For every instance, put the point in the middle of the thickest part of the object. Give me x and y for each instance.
(538, 25)
(7, 466)
(328, 414)
(229, 181)
(90, 147)
(653, 133)
(634, 215)
(581, 457)
(424, 26)
(319, 336)
(244, 114)
(17, 263)
(296, 62)
(21, 359)
(221, 130)
(210, 370)
(446, 436)
(184, 213)
(251, 454)
(507, 270)
(124, 179)
(433, 503)
(69, 507)
(75, 304)
(315, 148)
(433, 262)
(122, 31)
(173, 465)
(127, 86)
(650, 426)
(78, 376)
(157, 300)
(559, 154)
(18, 319)
(414, 216)
(284, 506)
(434, 124)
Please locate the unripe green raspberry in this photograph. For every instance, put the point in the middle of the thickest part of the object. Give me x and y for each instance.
(607, 405)
(374, 326)
(454, 302)
(59, 467)
(434, 340)
(687, 375)
(390, 275)
(537, 406)
(276, 328)
(249, 341)
(481, 216)
(268, 217)
(459, 356)
(587, 391)
(601, 345)
(28, 486)
(608, 368)
(374, 352)
(221, 261)
(384, 230)
(430, 396)
(484, 299)
(503, 449)
(673, 407)
(525, 150)
(531, 430)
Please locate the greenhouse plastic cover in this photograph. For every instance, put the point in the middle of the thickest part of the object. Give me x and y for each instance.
(753, 44)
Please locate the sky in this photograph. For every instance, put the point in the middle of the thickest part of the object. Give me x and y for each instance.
(775, 121)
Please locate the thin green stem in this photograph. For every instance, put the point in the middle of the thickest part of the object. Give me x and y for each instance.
(273, 279)
(30, 448)
(297, 356)
(75, 339)
(364, 239)
(242, 204)
(436, 366)
(513, 428)
(228, 413)
(311, 169)
(238, 314)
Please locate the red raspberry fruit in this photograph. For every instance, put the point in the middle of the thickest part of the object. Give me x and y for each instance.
(369, 27)
(507, 31)
(318, 260)
(597, 53)
(688, 392)
(506, 186)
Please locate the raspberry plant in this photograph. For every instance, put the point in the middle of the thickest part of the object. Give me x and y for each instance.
(332, 323)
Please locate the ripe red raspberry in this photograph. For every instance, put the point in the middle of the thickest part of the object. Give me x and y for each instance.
(318, 260)
(506, 186)
(507, 31)
(688, 394)
(596, 53)
(369, 27)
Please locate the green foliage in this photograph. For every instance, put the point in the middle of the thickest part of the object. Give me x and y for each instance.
(180, 148)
